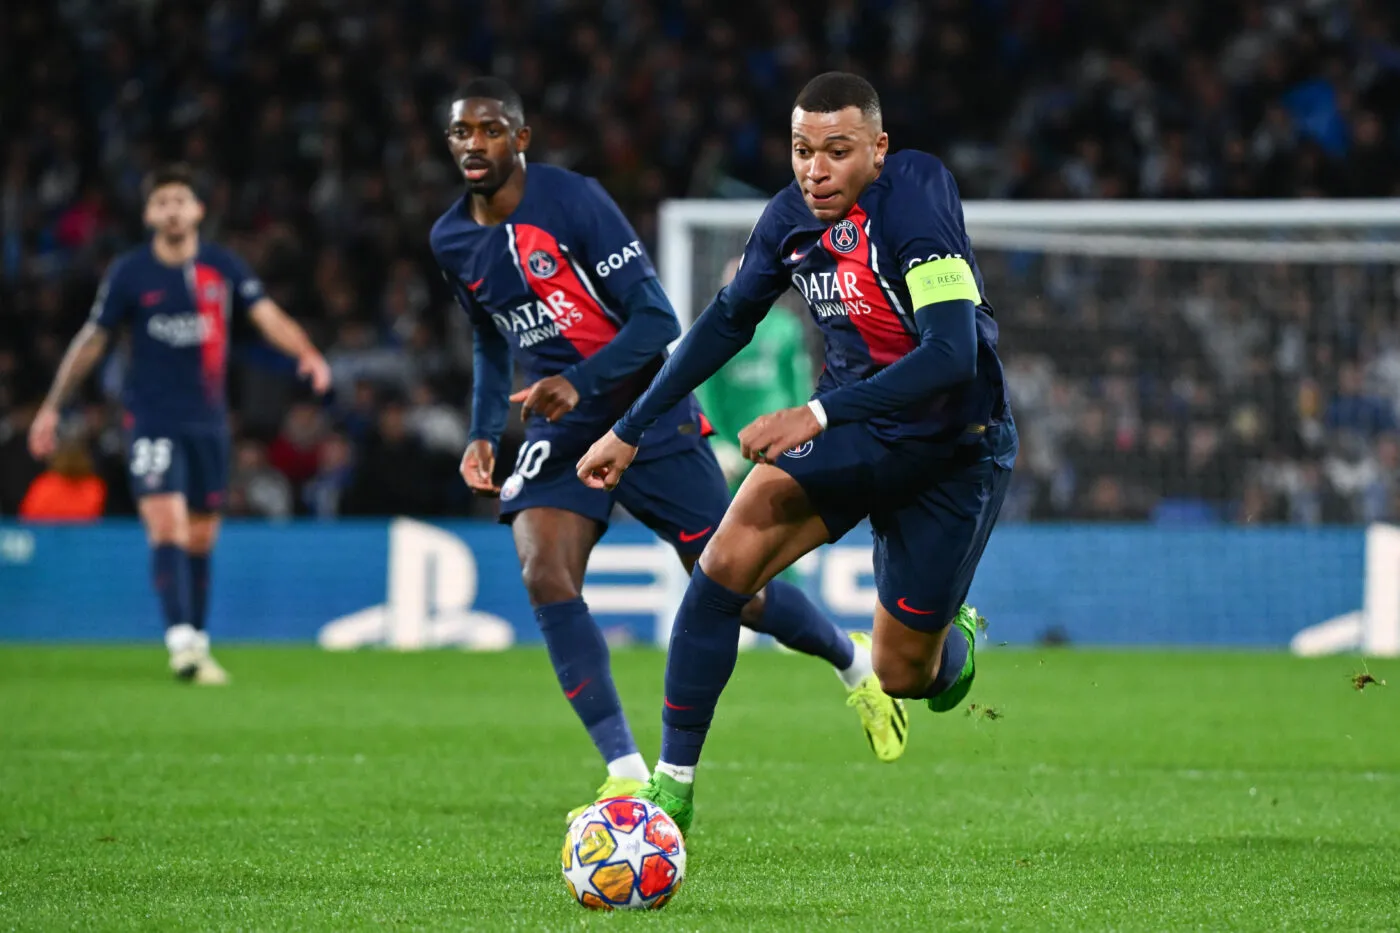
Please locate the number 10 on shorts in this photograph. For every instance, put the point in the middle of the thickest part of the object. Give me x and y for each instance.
(528, 464)
(531, 458)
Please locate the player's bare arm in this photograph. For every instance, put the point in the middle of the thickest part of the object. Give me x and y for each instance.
(82, 355)
(287, 335)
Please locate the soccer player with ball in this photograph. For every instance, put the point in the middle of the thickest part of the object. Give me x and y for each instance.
(910, 424)
(551, 273)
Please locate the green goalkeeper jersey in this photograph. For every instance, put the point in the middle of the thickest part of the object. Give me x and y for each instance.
(774, 371)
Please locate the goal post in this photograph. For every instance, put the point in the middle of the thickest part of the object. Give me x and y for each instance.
(690, 283)
(1245, 317)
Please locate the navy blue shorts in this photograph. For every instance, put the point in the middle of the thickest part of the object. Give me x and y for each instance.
(678, 492)
(931, 513)
(191, 460)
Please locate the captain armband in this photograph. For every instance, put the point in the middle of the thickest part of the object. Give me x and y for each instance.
(948, 279)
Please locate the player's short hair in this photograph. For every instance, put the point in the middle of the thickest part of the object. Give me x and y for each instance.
(176, 173)
(498, 90)
(837, 90)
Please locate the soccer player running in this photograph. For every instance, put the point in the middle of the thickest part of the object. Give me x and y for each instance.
(909, 426)
(176, 295)
(551, 273)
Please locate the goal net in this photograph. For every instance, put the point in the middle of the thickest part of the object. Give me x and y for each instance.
(1193, 378)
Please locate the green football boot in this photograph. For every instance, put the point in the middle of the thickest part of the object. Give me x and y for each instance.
(967, 623)
(673, 796)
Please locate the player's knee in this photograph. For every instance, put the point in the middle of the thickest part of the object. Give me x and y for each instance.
(547, 582)
(165, 524)
(725, 566)
(901, 678)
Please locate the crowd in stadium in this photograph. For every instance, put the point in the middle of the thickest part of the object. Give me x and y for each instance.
(315, 127)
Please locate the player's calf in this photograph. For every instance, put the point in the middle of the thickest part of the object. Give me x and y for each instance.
(938, 666)
(204, 531)
(166, 519)
(583, 668)
(784, 612)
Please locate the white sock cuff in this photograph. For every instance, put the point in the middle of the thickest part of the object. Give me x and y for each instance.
(683, 773)
(629, 766)
(861, 666)
(182, 637)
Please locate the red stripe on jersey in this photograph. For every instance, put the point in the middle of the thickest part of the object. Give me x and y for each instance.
(881, 328)
(580, 318)
(211, 302)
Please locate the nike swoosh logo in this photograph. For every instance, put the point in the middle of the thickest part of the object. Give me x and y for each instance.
(670, 705)
(908, 608)
(475, 285)
(797, 257)
(577, 690)
(687, 537)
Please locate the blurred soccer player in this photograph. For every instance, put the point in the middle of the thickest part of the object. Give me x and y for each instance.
(909, 426)
(177, 296)
(549, 270)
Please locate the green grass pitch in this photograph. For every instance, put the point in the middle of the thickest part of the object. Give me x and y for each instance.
(1116, 791)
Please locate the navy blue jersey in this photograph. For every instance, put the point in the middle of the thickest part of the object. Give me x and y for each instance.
(179, 318)
(551, 280)
(852, 276)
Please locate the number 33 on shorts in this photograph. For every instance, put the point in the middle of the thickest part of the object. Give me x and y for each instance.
(150, 459)
(528, 464)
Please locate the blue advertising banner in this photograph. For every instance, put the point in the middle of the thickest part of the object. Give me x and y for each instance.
(409, 584)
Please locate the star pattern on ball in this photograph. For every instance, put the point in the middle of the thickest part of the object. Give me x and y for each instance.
(633, 847)
(618, 854)
(581, 878)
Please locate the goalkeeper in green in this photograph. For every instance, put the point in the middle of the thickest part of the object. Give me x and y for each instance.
(771, 373)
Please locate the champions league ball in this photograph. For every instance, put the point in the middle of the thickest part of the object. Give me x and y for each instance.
(623, 853)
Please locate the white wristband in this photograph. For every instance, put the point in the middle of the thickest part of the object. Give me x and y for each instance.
(819, 411)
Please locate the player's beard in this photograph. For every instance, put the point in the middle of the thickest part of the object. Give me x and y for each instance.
(494, 181)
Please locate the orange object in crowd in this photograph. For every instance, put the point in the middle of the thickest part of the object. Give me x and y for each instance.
(67, 492)
(55, 498)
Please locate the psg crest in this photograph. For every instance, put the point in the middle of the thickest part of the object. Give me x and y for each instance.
(845, 236)
(804, 448)
(542, 264)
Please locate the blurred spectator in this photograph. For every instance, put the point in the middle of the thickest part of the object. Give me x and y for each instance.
(358, 419)
(69, 490)
(17, 469)
(296, 450)
(255, 487)
(441, 428)
(393, 476)
(1354, 409)
(335, 471)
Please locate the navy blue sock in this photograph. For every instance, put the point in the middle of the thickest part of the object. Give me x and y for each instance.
(704, 649)
(791, 618)
(199, 590)
(954, 657)
(170, 571)
(580, 658)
